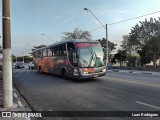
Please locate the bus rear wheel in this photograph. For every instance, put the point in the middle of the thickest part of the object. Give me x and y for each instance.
(40, 70)
(64, 74)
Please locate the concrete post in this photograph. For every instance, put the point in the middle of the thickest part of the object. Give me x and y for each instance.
(106, 46)
(7, 61)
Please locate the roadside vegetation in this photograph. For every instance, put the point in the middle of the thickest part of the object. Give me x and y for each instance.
(138, 49)
(141, 46)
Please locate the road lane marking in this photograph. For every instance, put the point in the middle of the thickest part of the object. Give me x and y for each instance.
(145, 104)
(135, 82)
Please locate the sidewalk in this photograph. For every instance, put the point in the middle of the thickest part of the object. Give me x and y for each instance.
(18, 104)
(135, 71)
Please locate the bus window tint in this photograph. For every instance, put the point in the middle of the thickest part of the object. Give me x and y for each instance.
(39, 53)
(62, 49)
(72, 55)
(45, 52)
(50, 52)
(34, 54)
(55, 50)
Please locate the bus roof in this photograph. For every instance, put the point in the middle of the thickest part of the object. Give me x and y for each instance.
(65, 41)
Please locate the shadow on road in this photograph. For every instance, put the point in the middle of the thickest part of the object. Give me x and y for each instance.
(71, 79)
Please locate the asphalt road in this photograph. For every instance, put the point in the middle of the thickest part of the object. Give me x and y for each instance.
(114, 92)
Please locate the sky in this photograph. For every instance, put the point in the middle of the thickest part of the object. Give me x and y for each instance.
(32, 18)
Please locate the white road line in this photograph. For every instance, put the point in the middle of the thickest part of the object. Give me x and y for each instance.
(152, 106)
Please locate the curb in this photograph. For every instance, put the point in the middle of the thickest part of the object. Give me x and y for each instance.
(115, 70)
(125, 71)
(20, 102)
(147, 73)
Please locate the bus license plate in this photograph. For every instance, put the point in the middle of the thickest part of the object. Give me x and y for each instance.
(95, 75)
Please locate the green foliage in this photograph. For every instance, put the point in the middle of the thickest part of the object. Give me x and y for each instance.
(37, 47)
(146, 36)
(77, 34)
(145, 58)
(133, 59)
(27, 59)
(13, 58)
(111, 46)
(120, 56)
(125, 44)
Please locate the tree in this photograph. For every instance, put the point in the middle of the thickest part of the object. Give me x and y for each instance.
(121, 56)
(147, 35)
(27, 59)
(111, 47)
(77, 34)
(37, 47)
(126, 45)
(133, 59)
(145, 58)
(13, 58)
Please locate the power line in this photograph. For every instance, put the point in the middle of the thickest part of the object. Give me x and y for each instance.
(127, 20)
(134, 18)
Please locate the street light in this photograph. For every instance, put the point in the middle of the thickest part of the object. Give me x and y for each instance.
(48, 37)
(106, 34)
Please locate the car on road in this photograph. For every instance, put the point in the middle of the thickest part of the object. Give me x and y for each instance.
(31, 65)
(19, 65)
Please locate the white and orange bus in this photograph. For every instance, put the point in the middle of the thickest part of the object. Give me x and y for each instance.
(80, 59)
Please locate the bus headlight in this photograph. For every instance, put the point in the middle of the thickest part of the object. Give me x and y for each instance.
(76, 72)
(85, 72)
(104, 70)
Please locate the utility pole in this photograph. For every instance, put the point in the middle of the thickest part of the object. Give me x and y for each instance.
(107, 47)
(23, 58)
(7, 64)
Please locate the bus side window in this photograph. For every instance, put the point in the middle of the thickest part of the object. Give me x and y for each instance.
(49, 52)
(39, 53)
(70, 46)
(62, 49)
(72, 54)
(55, 50)
(34, 54)
(45, 52)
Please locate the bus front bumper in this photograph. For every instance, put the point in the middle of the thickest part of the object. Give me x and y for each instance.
(87, 76)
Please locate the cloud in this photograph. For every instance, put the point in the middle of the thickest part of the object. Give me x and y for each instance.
(68, 20)
(64, 16)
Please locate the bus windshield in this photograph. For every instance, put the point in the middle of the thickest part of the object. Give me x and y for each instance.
(90, 55)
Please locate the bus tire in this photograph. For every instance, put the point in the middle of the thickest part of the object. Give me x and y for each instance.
(64, 73)
(40, 70)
